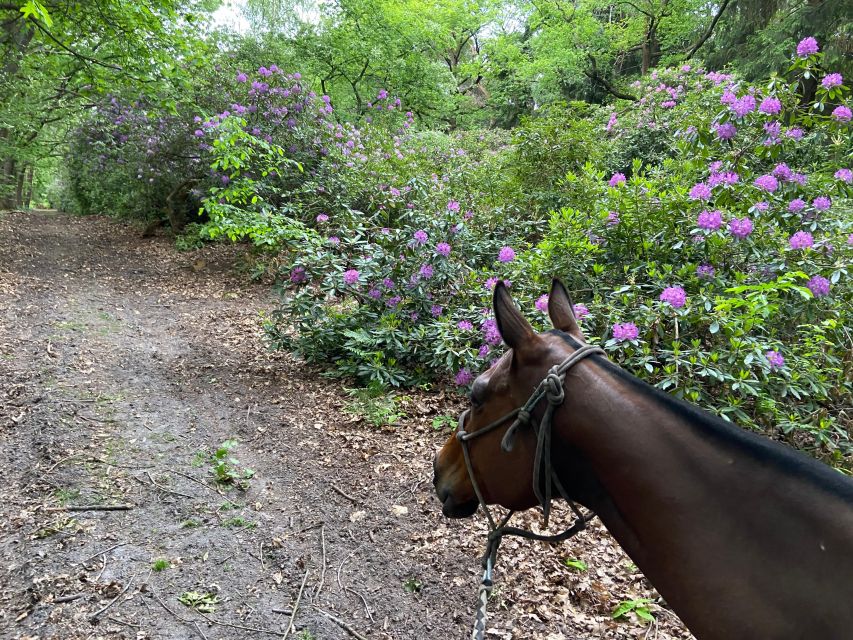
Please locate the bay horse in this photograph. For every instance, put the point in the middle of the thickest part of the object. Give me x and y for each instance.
(743, 537)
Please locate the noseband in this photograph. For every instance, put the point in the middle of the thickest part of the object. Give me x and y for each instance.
(544, 476)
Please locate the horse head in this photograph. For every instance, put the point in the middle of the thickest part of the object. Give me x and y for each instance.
(504, 477)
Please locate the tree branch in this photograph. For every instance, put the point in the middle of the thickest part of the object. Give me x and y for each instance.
(707, 33)
(595, 76)
(77, 55)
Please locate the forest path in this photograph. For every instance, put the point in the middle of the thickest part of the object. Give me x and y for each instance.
(123, 365)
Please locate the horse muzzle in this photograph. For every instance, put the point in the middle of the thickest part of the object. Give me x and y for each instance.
(451, 507)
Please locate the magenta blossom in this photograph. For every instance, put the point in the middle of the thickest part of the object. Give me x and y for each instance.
(443, 248)
(453, 206)
(710, 220)
(725, 131)
(490, 331)
(845, 175)
(819, 286)
(705, 271)
(842, 113)
(335, 240)
(426, 271)
(464, 377)
(832, 80)
(580, 310)
(761, 206)
(795, 205)
(506, 254)
(801, 240)
(436, 310)
(767, 182)
(625, 331)
(795, 133)
(375, 293)
(617, 179)
(782, 171)
(740, 228)
(242, 77)
(393, 302)
(771, 106)
(822, 203)
(464, 325)
(700, 191)
(298, 275)
(612, 219)
(676, 296)
(483, 352)
(542, 303)
(351, 276)
(807, 47)
(775, 360)
(322, 217)
(744, 105)
(420, 236)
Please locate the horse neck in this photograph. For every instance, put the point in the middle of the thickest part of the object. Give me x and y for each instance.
(680, 493)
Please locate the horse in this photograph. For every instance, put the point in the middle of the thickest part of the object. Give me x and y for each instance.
(742, 536)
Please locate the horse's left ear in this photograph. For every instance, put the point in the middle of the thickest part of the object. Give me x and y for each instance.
(513, 327)
(560, 310)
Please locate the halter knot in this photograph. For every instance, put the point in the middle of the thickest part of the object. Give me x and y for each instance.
(553, 384)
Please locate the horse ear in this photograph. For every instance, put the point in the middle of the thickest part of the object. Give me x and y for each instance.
(513, 327)
(560, 309)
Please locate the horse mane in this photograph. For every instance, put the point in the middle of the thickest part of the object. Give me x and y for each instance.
(761, 448)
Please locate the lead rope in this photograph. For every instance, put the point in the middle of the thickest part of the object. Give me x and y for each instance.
(543, 474)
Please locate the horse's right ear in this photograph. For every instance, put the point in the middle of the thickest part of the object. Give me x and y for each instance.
(513, 327)
(561, 311)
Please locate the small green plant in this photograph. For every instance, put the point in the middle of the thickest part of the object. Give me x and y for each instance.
(413, 585)
(239, 522)
(639, 607)
(201, 602)
(160, 564)
(66, 496)
(443, 422)
(306, 635)
(225, 468)
(576, 564)
(375, 404)
(190, 523)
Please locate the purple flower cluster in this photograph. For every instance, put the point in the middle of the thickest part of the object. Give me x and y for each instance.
(442, 248)
(771, 106)
(706, 271)
(464, 325)
(842, 113)
(822, 203)
(542, 303)
(819, 286)
(740, 228)
(617, 179)
(490, 331)
(506, 254)
(801, 240)
(420, 237)
(845, 175)
(625, 331)
(675, 296)
(832, 80)
(725, 131)
(767, 182)
(351, 276)
(710, 220)
(775, 360)
(743, 105)
(700, 191)
(464, 377)
(580, 310)
(807, 47)
(796, 205)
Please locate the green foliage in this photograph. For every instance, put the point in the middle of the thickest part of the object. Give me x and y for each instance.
(576, 564)
(639, 607)
(375, 405)
(160, 564)
(224, 467)
(201, 602)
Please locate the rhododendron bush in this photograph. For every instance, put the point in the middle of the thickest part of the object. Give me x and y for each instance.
(706, 229)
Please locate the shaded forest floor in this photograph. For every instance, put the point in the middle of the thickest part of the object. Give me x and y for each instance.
(124, 365)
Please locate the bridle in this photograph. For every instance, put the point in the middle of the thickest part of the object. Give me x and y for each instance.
(544, 476)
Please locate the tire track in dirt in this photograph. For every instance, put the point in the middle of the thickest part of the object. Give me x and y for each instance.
(125, 365)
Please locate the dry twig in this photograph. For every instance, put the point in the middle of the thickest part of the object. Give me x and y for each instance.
(343, 625)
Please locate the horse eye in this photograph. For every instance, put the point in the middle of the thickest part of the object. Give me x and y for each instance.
(477, 392)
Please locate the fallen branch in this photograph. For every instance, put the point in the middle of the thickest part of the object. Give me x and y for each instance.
(344, 494)
(92, 507)
(62, 599)
(343, 625)
(323, 570)
(296, 605)
(363, 600)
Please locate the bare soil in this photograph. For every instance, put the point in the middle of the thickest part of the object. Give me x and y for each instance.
(124, 364)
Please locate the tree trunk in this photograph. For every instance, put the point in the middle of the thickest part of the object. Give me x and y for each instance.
(19, 188)
(28, 193)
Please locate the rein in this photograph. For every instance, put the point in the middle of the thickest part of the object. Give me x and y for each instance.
(544, 476)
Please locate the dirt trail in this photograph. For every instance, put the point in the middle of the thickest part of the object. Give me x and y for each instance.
(123, 365)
